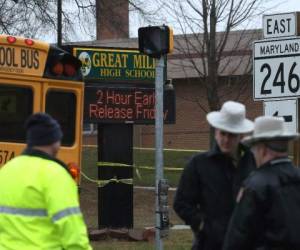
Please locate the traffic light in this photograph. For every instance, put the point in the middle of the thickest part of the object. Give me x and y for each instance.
(155, 41)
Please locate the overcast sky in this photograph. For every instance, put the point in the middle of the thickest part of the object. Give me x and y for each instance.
(286, 6)
(271, 6)
(279, 6)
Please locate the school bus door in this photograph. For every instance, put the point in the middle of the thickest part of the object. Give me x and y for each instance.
(64, 103)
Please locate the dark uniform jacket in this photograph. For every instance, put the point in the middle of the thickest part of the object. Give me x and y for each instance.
(207, 191)
(267, 215)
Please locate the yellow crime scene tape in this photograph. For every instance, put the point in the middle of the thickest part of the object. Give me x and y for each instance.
(102, 183)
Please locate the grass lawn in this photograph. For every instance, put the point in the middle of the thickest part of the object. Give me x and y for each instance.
(144, 200)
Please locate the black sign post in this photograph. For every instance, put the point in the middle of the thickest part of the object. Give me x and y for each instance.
(115, 198)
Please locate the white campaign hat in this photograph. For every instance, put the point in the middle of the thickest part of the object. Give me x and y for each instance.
(268, 128)
(231, 118)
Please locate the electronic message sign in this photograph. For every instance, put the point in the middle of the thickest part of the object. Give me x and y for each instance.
(107, 104)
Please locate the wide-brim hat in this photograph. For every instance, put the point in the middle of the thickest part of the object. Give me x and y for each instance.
(231, 118)
(269, 128)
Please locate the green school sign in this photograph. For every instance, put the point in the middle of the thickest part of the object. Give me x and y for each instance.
(115, 64)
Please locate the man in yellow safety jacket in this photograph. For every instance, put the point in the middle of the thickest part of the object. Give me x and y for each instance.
(39, 205)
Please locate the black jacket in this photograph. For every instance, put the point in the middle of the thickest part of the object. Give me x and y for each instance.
(267, 215)
(207, 191)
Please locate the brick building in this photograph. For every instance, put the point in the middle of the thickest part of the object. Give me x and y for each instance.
(191, 130)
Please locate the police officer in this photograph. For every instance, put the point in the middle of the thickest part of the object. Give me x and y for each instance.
(208, 186)
(267, 215)
(39, 206)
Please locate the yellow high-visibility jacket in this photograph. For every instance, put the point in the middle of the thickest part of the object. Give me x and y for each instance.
(39, 206)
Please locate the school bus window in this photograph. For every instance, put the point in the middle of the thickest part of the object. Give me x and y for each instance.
(16, 104)
(62, 106)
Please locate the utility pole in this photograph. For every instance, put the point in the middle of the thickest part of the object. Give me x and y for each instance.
(59, 23)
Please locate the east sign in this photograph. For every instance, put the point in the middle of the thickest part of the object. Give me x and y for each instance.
(280, 25)
(115, 65)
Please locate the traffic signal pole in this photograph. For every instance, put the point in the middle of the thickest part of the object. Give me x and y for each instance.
(157, 42)
(159, 123)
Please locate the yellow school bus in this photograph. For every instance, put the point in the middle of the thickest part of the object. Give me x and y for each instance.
(38, 77)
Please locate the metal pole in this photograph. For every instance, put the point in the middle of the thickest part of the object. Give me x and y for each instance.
(296, 149)
(59, 23)
(159, 84)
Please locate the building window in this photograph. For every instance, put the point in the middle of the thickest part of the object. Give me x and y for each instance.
(62, 106)
(16, 104)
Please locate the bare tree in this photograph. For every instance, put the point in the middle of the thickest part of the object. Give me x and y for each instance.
(38, 18)
(208, 42)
